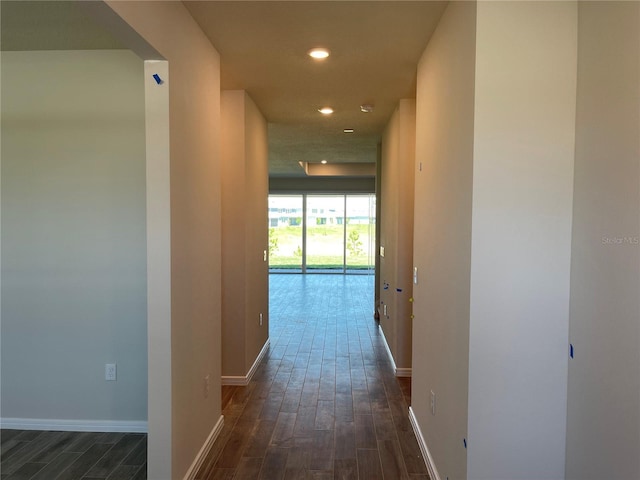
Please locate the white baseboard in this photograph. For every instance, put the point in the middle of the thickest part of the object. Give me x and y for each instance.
(386, 346)
(244, 380)
(398, 372)
(426, 455)
(73, 425)
(204, 450)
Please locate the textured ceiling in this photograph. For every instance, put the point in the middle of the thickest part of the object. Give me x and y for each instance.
(375, 47)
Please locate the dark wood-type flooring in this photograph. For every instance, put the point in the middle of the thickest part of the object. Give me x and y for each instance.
(38, 455)
(324, 403)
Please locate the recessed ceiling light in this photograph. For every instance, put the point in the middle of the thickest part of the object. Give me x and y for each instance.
(326, 110)
(324, 162)
(366, 108)
(318, 53)
(348, 130)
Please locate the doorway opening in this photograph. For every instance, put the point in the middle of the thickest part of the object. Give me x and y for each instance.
(322, 233)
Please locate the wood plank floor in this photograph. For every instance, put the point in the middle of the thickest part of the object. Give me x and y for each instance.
(324, 403)
(44, 455)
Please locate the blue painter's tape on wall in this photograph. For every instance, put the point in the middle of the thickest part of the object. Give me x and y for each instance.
(157, 78)
(571, 350)
(399, 290)
(464, 440)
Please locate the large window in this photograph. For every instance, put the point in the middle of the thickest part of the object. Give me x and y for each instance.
(285, 232)
(360, 234)
(322, 233)
(325, 233)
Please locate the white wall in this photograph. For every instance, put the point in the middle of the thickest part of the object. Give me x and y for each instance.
(442, 245)
(73, 236)
(526, 55)
(603, 426)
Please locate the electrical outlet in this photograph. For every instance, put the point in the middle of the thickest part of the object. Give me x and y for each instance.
(206, 384)
(264, 256)
(260, 319)
(384, 309)
(415, 275)
(110, 372)
(433, 403)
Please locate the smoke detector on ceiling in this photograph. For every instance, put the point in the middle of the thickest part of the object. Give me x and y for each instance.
(366, 108)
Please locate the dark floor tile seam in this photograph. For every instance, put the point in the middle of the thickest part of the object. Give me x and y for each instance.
(92, 465)
(38, 443)
(98, 460)
(30, 469)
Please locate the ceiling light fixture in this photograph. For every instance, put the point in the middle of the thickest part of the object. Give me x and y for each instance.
(366, 108)
(348, 130)
(326, 110)
(324, 162)
(318, 53)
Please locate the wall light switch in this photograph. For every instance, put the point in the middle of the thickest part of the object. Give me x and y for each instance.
(264, 256)
(382, 251)
(110, 372)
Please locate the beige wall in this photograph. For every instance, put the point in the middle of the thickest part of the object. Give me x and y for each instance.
(496, 127)
(396, 232)
(526, 54)
(73, 239)
(194, 101)
(257, 233)
(442, 245)
(603, 427)
(234, 263)
(388, 226)
(158, 161)
(244, 239)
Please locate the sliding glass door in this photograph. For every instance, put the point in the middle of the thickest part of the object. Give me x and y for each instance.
(322, 233)
(325, 233)
(285, 233)
(360, 233)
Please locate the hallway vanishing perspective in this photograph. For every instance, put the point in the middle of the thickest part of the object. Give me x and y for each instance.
(324, 403)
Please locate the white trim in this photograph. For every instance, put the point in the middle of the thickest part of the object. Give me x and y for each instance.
(386, 345)
(204, 450)
(235, 380)
(244, 380)
(73, 425)
(259, 358)
(398, 372)
(426, 454)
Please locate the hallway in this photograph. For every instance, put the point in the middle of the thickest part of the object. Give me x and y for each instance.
(324, 403)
